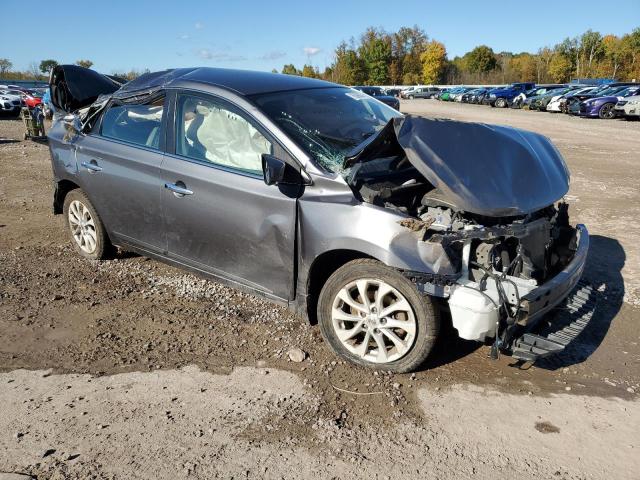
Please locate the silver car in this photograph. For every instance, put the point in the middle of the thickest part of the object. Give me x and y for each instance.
(377, 226)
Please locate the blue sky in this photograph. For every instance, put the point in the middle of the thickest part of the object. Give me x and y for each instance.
(121, 35)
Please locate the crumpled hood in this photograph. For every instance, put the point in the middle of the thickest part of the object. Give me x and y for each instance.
(489, 170)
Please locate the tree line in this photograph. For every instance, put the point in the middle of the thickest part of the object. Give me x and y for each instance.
(409, 57)
(40, 71)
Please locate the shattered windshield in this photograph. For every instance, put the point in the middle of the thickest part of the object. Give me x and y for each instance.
(326, 122)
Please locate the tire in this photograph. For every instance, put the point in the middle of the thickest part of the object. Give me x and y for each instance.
(416, 321)
(411, 97)
(87, 232)
(501, 103)
(607, 111)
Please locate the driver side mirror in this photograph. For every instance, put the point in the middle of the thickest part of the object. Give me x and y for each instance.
(273, 169)
(278, 172)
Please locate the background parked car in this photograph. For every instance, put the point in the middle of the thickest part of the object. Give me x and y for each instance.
(424, 92)
(468, 97)
(406, 92)
(444, 94)
(519, 99)
(379, 94)
(630, 107)
(500, 97)
(540, 102)
(457, 97)
(572, 105)
(449, 95)
(558, 102)
(10, 104)
(604, 107)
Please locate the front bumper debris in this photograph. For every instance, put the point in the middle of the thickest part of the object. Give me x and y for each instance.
(545, 297)
(476, 314)
(561, 328)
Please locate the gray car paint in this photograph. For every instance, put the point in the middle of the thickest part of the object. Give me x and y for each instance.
(268, 247)
(246, 245)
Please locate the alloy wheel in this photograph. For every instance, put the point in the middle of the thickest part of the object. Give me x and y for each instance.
(82, 226)
(374, 321)
(607, 111)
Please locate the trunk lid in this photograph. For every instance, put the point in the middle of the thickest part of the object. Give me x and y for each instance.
(74, 87)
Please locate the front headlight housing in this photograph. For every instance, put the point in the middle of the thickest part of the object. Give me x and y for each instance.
(493, 95)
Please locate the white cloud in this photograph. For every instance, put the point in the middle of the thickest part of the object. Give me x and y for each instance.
(199, 25)
(311, 51)
(184, 37)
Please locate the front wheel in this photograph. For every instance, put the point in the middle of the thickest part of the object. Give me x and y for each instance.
(501, 103)
(411, 97)
(373, 316)
(607, 111)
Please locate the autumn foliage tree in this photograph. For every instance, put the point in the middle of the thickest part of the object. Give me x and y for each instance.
(434, 62)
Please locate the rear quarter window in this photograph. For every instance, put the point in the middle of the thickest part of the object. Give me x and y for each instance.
(136, 124)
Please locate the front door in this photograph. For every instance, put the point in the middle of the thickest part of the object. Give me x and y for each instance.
(221, 217)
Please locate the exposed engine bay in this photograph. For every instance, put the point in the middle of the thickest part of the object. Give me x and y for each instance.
(500, 259)
(533, 247)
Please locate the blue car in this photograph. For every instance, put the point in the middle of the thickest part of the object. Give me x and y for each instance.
(500, 97)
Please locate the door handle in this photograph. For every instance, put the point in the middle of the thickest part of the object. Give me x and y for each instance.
(91, 166)
(179, 189)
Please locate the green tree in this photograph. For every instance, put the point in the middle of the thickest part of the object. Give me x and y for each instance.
(569, 48)
(434, 61)
(47, 65)
(481, 60)
(348, 67)
(407, 46)
(5, 65)
(591, 50)
(85, 63)
(375, 52)
(290, 69)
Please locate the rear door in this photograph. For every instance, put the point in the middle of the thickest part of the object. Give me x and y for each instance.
(119, 167)
(221, 217)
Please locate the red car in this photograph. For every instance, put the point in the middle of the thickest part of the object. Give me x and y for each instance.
(31, 100)
(28, 99)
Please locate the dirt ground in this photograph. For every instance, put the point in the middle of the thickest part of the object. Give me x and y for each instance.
(131, 369)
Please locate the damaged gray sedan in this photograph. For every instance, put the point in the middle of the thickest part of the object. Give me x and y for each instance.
(375, 225)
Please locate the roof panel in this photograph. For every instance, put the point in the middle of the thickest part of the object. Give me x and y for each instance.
(248, 82)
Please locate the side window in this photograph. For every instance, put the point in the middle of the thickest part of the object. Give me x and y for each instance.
(210, 132)
(137, 124)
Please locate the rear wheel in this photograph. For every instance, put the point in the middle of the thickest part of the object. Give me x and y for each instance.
(373, 316)
(88, 234)
(607, 111)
